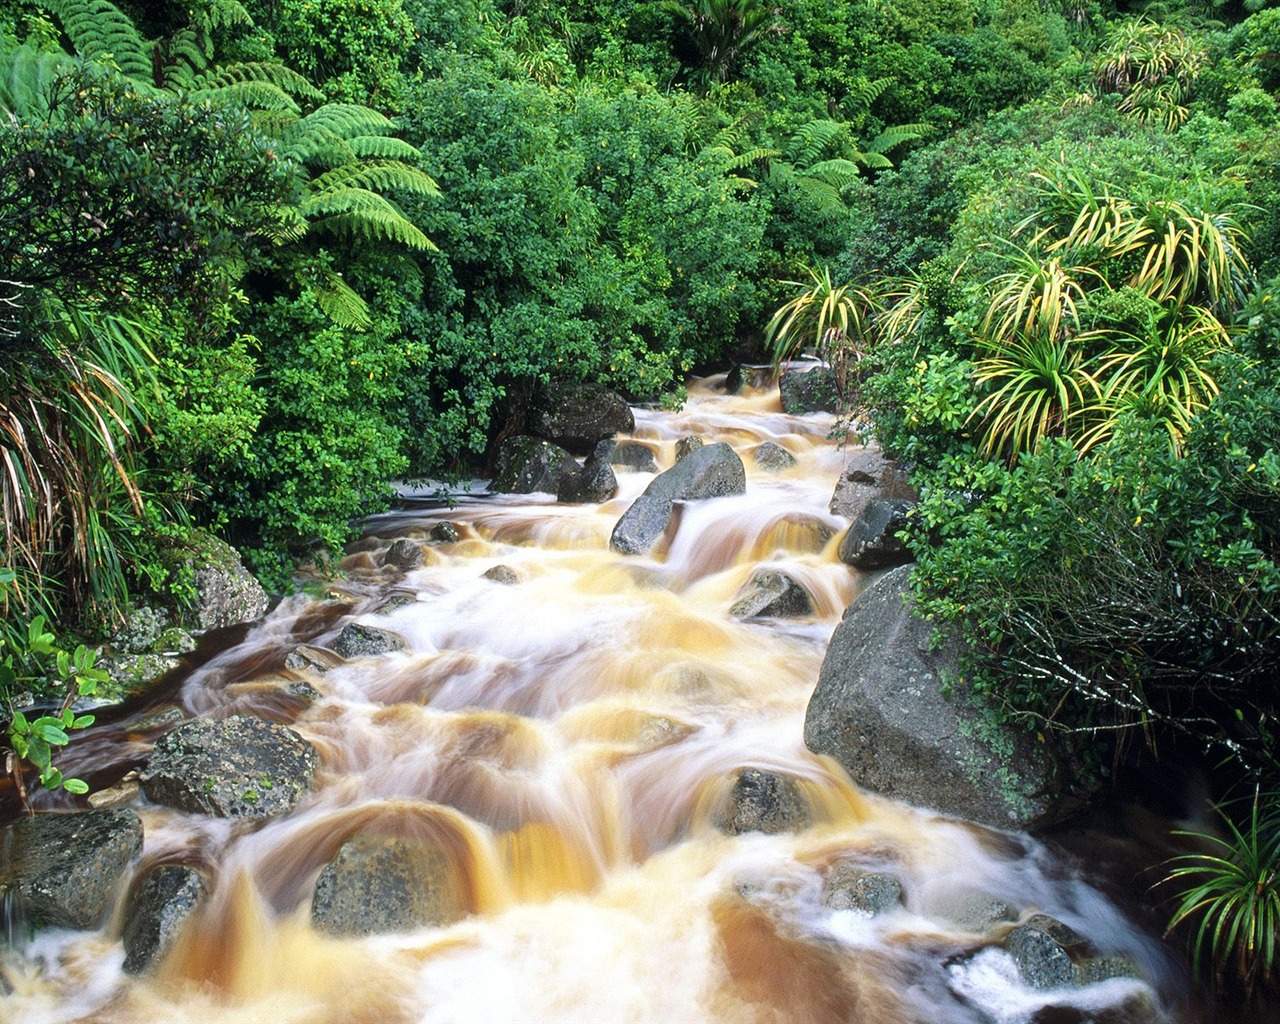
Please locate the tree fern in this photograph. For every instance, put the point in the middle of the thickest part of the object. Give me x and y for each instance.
(101, 32)
(362, 215)
(340, 302)
(26, 77)
(376, 175)
(818, 140)
(382, 147)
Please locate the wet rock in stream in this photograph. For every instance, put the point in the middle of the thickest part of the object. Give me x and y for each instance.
(356, 640)
(378, 884)
(158, 908)
(1049, 954)
(235, 767)
(404, 554)
(872, 541)
(770, 594)
(503, 574)
(850, 887)
(773, 458)
(306, 657)
(634, 456)
(763, 802)
(63, 869)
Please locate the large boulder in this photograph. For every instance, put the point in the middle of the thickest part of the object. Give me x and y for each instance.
(528, 464)
(235, 767)
(872, 541)
(771, 594)
(578, 416)
(63, 869)
(868, 475)
(805, 391)
(763, 802)
(879, 710)
(378, 884)
(711, 471)
(158, 908)
(226, 593)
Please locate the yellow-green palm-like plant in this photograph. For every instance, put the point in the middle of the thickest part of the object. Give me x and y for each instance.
(1230, 896)
(825, 317)
(1153, 69)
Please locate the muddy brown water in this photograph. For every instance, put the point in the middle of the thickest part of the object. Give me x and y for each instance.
(569, 739)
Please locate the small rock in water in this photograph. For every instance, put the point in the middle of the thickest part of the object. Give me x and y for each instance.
(595, 482)
(688, 445)
(849, 887)
(872, 541)
(377, 885)
(404, 555)
(158, 909)
(308, 657)
(634, 455)
(974, 910)
(63, 869)
(1049, 954)
(445, 532)
(772, 595)
(114, 796)
(501, 574)
(763, 802)
(393, 602)
(235, 767)
(642, 524)
(773, 457)
(357, 640)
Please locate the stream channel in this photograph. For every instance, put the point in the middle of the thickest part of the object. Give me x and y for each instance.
(569, 738)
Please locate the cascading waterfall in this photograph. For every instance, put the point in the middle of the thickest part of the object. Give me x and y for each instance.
(567, 741)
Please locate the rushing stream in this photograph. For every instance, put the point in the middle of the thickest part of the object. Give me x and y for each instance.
(568, 739)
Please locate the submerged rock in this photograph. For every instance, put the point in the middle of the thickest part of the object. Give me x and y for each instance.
(314, 659)
(377, 884)
(763, 802)
(235, 767)
(879, 710)
(158, 909)
(773, 458)
(445, 532)
(403, 554)
(63, 869)
(503, 574)
(771, 594)
(850, 887)
(356, 640)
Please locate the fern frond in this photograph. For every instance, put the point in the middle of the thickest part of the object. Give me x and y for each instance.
(865, 92)
(379, 176)
(816, 140)
(875, 161)
(363, 215)
(382, 147)
(101, 32)
(895, 136)
(825, 196)
(346, 120)
(839, 172)
(269, 72)
(751, 156)
(341, 303)
(229, 14)
(250, 95)
(26, 75)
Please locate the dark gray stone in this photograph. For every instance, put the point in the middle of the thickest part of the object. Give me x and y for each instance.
(529, 464)
(356, 640)
(805, 391)
(878, 709)
(503, 574)
(712, 471)
(871, 542)
(849, 887)
(233, 767)
(577, 416)
(1049, 954)
(634, 455)
(594, 482)
(770, 594)
(642, 524)
(404, 555)
(974, 910)
(394, 602)
(158, 908)
(384, 885)
(763, 802)
(445, 532)
(63, 869)
(773, 458)
(141, 629)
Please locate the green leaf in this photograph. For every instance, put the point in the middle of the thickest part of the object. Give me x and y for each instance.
(77, 786)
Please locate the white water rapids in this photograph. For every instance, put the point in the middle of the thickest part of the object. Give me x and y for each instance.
(571, 736)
